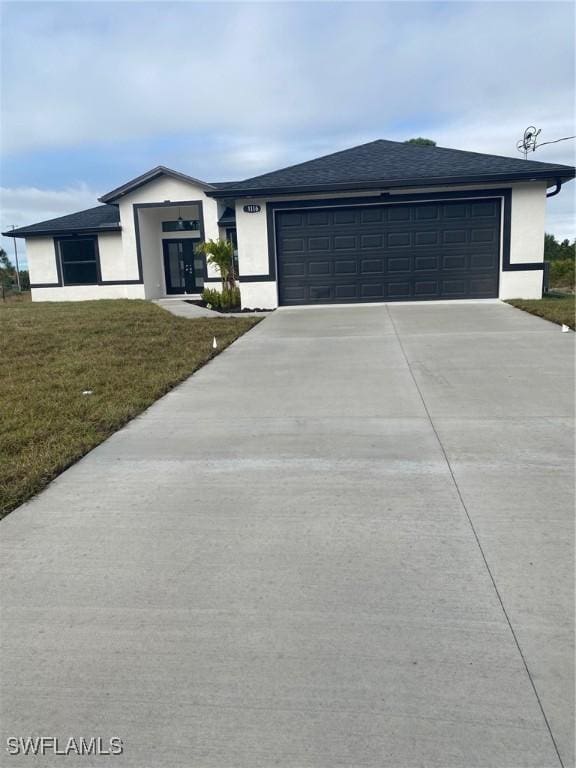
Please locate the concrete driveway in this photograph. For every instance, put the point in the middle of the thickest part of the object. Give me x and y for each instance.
(347, 541)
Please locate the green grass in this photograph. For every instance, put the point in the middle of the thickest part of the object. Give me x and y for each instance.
(128, 353)
(558, 309)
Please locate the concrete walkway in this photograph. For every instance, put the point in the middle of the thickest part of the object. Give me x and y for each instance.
(347, 541)
(183, 308)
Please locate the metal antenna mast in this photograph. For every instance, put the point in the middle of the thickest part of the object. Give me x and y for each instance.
(528, 143)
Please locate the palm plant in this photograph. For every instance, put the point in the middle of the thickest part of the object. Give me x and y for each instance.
(220, 253)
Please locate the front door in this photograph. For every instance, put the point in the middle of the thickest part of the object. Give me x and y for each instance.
(183, 268)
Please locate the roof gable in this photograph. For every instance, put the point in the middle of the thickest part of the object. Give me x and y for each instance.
(392, 163)
(145, 178)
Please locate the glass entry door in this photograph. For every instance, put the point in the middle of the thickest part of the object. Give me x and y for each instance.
(183, 267)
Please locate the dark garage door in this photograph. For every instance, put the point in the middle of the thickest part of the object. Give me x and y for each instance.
(432, 250)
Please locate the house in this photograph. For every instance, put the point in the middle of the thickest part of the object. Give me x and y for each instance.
(383, 221)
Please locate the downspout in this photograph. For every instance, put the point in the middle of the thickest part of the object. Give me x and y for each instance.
(555, 191)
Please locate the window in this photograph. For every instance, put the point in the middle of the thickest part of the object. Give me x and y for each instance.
(79, 261)
(232, 236)
(182, 225)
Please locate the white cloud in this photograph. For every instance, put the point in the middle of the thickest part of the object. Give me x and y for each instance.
(28, 205)
(44, 203)
(270, 85)
(285, 73)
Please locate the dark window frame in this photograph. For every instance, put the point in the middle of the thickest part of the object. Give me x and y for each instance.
(234, 241)
(60, 264)
(171, 226)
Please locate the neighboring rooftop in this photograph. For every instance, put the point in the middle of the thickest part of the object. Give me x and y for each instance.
(102, 218)
(383, 163)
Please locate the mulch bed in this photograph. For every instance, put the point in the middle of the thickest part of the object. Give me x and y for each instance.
(225, 311)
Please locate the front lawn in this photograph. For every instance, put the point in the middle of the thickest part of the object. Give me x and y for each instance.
(126, 353)
(558, 309)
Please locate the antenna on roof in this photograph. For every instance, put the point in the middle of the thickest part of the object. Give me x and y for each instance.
(529, 141)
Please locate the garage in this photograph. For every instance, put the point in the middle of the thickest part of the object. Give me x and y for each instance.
(392, 221)
(443, 249)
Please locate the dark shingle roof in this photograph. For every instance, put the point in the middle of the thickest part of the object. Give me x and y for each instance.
(379, 164)
(103, 218)
(392, 163)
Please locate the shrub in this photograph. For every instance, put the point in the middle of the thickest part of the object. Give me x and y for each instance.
(562, 273)
(212, 296)
(226, 300)
(230, 298)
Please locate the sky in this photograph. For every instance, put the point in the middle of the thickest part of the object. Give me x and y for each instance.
(95, 93)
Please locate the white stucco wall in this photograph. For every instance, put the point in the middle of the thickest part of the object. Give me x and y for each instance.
(528, 213)
(259, 295)
(112, 264)
(252, 233)
(161, 190)
(528, 218)
(526, 284)
(88, 292)
(41, 255)
(41, 258)
(151, 254)
(528, 208)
